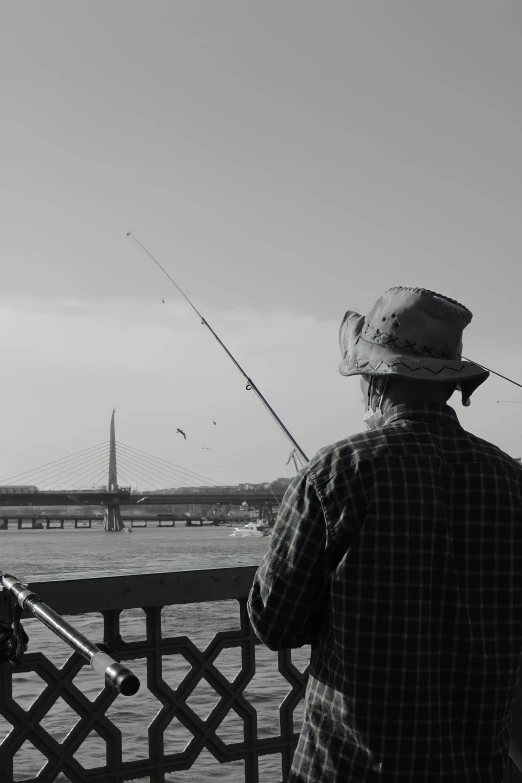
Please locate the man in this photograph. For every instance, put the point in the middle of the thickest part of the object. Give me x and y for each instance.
(397, 554)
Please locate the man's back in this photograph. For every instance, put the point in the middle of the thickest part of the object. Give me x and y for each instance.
(414, 670)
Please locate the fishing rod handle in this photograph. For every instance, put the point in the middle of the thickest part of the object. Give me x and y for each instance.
(16, 588)
(116, 674)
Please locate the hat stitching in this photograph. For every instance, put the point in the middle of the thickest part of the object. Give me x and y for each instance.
(467, 315)
(412, 369)
(407, 345)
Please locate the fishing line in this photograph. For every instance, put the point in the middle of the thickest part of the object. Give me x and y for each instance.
(495, 373)
(250, 382)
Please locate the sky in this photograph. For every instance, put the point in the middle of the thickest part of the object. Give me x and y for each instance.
(284, 162)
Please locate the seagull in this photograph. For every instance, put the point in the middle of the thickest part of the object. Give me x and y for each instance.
(141, 501)
(206, 448)
(213, 422)
(129, 233)
(181, 433)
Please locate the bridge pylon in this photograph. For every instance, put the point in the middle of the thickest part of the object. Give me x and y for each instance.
(112, 521)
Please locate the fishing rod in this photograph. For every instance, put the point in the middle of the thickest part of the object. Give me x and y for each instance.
(250, 382)
(116, 674)
(494, 373)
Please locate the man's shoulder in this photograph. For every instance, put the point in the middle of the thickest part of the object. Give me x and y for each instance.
(394, 441)
(348, 452)
(495, 453)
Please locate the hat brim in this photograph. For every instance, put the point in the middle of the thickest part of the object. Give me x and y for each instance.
(361, 357)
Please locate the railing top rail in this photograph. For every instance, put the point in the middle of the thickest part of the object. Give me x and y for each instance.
(131, 591)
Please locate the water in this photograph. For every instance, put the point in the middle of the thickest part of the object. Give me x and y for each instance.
(38, 555)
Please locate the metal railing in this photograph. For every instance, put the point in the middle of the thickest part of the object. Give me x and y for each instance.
(154, 593)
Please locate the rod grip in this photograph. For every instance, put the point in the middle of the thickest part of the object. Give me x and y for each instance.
(118, 675)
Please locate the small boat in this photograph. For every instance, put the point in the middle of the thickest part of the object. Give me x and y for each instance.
(257, 528)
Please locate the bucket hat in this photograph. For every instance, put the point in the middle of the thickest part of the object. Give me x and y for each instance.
(413, 333)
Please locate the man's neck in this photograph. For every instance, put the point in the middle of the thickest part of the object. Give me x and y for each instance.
(391, 402)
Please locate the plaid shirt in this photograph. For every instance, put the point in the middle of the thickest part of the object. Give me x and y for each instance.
(397, 554)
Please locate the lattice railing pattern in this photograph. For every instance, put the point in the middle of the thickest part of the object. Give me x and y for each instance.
(93, 722)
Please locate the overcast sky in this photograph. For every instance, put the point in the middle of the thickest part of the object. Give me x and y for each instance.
(285, 161)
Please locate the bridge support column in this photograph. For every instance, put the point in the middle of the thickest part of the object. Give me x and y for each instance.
(112, 521)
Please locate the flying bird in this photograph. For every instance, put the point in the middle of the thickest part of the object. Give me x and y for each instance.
(206, 448)
(141, 501)
(213, 422)
(181, 433)
(129, 233)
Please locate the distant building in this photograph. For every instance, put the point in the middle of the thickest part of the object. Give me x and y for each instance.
(280, 483)
(17, 489)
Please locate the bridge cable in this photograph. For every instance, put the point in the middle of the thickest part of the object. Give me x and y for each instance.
(65, 470)
(87, 481)
(72, 470)
(147, 465)
(76, 479)
(160, 464)
(145, 479)
(127, 478)
(103, 473)
(146, 462)
(64, 480)
(47, 464)
(137, 472)
(191, 473)
(41, 473)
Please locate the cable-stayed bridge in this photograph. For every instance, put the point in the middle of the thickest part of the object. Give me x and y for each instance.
(75, 480)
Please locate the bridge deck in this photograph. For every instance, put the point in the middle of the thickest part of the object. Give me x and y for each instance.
(94, 498)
